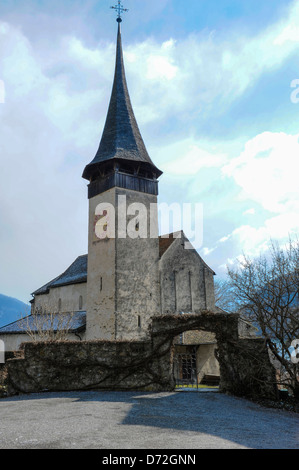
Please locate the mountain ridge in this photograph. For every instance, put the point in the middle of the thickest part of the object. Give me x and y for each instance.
(12, 309)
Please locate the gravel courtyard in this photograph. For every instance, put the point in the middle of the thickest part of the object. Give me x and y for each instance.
(132, 420)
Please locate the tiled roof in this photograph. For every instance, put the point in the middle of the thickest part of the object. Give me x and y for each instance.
(73, 322)
(44, 289)
(75, 274)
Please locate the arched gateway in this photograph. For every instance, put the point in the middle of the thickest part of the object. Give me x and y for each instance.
(245, 368)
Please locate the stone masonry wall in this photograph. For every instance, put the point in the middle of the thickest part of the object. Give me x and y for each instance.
(187, 284)
(245, 368)
(89, 365)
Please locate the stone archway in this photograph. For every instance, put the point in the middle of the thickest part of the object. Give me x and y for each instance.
(194, 361)
(245, 368)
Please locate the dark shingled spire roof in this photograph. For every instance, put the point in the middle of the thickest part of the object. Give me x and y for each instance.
(121, 139)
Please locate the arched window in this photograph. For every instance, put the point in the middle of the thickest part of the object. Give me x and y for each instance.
(80, 302)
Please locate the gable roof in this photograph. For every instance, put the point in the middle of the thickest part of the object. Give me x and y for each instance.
(165, 244)
(76, 273)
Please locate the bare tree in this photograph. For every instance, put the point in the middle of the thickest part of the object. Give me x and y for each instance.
(225, 297)
(44, 326)
(268, 290)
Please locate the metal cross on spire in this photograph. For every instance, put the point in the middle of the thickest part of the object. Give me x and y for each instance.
(119, 9)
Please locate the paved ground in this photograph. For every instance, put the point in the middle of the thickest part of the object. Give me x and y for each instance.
(127, 420)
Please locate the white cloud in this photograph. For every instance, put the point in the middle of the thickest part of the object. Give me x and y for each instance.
(188, 157)
(205, 73)
(207, 251)
(224, 239)
(160, 66)
(249, 212)
(255, 240)
(289, 34)
(267, 171)
(267, 174)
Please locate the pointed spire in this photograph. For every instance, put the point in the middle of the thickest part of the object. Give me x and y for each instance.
(121, 139)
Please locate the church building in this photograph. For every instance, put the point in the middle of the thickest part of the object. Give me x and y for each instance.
(130, 273)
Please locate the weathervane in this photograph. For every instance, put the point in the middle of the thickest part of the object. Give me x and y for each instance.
(119, 9)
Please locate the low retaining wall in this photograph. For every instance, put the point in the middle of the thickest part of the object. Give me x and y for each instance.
(245, 368)
(88, 365)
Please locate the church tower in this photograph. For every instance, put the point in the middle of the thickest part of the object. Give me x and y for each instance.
(123, 246)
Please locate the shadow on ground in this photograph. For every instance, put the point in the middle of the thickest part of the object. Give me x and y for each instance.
(191, 414)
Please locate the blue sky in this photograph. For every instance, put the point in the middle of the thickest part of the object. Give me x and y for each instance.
(210, 84)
